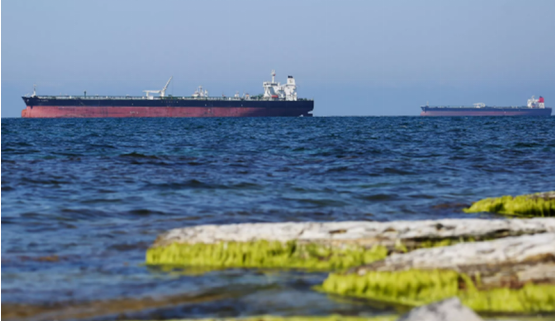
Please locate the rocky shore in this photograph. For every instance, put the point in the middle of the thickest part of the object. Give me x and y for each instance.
(324, 246)
(491, 266)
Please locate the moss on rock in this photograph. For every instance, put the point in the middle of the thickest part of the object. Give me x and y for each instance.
(420, 287)
(264, 254)
(540, 204)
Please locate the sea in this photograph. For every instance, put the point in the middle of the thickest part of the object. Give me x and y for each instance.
(83, 199)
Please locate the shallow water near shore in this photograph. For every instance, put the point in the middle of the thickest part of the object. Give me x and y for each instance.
(82, 199)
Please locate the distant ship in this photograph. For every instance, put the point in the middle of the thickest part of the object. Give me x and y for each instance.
(535, 107)
(277, 100)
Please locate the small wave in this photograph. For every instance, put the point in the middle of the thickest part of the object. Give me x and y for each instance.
(445, 206)
(246, 185)
(338, 169)
(527, 145)
(44, 181)
(102, 146)
(192, 183)
(14, 151)
(101, 200)
(123, 247)
(390, 170)
(192, 163)
(379, 197)
(67, 154)
(145, 212)
(196, 184)
(318, 202)
(138, 155)
(425, 196)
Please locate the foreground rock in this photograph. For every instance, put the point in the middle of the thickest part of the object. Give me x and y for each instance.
(514, 274)
(539, 204)
(446, 310)
(325, 246)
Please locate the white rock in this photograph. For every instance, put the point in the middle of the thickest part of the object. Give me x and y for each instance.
(364, 233)
(446, 310)
(509, 250)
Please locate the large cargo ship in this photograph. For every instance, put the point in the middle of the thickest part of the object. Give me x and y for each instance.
(535, 107)
(277, 100)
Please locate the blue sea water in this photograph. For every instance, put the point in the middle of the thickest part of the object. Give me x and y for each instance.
(82, 199)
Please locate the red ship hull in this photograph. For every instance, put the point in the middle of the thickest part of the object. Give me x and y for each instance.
(119, 111)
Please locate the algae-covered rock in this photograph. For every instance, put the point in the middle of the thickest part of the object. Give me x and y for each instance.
(514, 274)
(323, 246)
(539, 204)
(265, 254)
(420, 287)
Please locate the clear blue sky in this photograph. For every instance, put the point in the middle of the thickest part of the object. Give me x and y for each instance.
(352, 57)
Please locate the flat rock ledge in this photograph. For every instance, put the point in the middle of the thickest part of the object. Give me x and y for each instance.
(323, 246)
(357, 232)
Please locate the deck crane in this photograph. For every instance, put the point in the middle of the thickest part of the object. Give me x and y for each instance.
(162, 92)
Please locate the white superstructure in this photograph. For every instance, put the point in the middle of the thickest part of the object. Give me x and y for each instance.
(274, 90)
(535, 103)
(199, 93)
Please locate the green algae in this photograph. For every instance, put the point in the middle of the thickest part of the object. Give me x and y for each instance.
(416, 287)
(523, 205)
(274, 254)
(264, 254)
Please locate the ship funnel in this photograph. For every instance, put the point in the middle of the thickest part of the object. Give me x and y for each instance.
(541, 102)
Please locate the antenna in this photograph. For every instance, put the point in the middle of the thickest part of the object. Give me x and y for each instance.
(273, 73)
(34, 91)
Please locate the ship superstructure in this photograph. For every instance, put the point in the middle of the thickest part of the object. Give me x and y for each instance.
(274, 90)
(535, 107)
(277, 100)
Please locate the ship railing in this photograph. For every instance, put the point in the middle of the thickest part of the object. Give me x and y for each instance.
(96, 97)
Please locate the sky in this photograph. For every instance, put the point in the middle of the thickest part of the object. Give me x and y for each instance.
(354, 57)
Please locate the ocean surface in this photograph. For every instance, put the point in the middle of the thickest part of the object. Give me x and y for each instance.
(82, 200)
